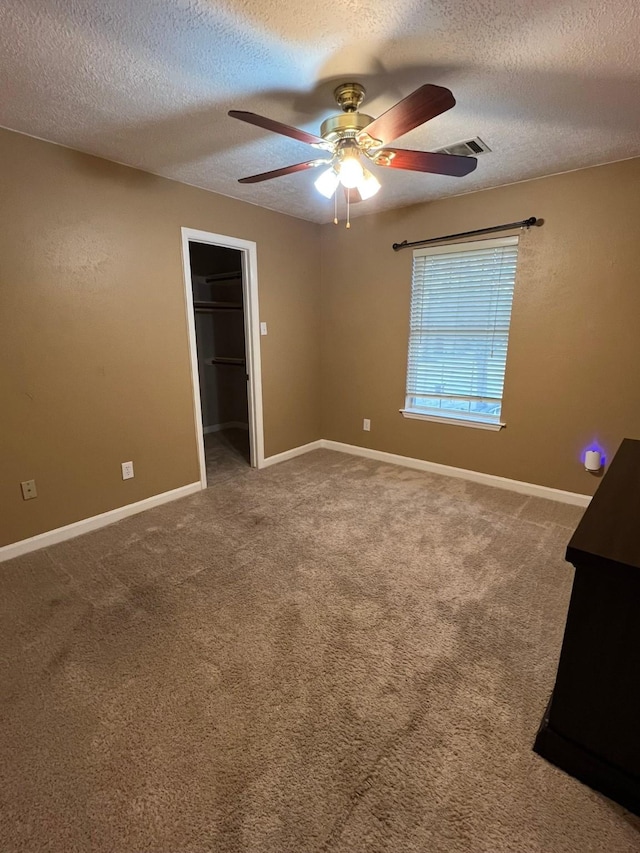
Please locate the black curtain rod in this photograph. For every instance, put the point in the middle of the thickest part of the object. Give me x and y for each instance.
(525, 223)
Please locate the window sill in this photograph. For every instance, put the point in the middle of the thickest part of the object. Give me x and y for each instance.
(443, 419)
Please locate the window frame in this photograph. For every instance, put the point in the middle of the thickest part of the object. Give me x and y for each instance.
(470, 419)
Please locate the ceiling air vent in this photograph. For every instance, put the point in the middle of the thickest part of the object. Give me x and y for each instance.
(469, 148)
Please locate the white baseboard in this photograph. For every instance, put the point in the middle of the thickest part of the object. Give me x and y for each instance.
(230, 425)
(60, 534)
(291, 454)
(69, 531)
(532, 489)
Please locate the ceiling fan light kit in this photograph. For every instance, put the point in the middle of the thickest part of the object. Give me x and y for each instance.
(350, 171)
(353, 136)
(368, 186)
(327, 183)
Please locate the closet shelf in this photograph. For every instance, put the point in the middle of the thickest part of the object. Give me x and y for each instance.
(224, 278)
(217, 306)
(224, 360)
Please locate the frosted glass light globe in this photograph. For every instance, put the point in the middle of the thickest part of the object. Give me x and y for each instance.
(368, 185)
(350, 172)
(327, 182)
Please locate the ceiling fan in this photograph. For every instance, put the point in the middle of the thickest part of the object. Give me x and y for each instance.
(353, 138)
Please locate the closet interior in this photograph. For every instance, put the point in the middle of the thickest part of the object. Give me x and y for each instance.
(217, 284)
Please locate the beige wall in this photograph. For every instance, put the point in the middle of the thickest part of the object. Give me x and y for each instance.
(573, 366)
(94, 364)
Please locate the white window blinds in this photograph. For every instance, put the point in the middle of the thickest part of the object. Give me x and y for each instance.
(460, 313)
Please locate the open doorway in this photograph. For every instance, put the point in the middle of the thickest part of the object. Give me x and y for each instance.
(222, 312)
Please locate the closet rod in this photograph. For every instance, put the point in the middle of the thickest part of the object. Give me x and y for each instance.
(206, 307)
(236, 362)
(524, 223)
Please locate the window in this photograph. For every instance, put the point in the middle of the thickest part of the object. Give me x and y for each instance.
(460, 312)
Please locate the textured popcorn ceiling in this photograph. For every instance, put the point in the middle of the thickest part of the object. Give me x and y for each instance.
(550, 85)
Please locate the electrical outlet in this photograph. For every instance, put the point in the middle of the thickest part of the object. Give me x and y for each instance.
(127, 470)
(29, 490)
(366, 425)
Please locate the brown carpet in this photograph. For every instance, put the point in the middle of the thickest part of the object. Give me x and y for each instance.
(330, 655)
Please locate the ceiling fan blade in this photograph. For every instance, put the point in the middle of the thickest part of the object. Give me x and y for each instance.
(425, 103)
(277, 173)
(277, 127)
(427, 161)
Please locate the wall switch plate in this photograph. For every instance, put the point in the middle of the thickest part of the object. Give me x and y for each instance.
(263, 328)
(29, 490)
(127, 470)
(366, 425)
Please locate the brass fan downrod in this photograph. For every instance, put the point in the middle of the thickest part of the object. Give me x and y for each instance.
(349, 96)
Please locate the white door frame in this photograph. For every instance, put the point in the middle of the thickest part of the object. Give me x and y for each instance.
(249, 256)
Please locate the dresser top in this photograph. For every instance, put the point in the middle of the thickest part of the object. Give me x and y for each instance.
(610, 527)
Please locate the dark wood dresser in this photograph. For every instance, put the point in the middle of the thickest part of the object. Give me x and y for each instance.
(591, 728)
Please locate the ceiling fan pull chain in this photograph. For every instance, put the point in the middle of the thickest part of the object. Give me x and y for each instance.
(348, 209)
(335, 208)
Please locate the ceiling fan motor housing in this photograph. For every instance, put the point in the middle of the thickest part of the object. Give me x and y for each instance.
(344, 126)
